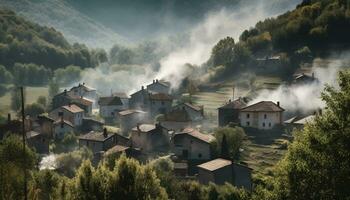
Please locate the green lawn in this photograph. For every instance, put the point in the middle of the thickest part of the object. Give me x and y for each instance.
(32, 94)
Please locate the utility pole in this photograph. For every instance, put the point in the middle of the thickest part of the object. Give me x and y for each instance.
(24, 146)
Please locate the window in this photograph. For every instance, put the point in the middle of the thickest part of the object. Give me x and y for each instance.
(263, 124)
(269, 124)
(248, 116)
(265, 116)
(62, 125)
(199, 155)
(163, 103)
(191, 141)
(248, 123)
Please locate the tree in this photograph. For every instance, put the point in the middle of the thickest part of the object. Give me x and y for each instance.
(67, 76)
(223, 51)
(16, 98)
(5, 76)
(45, 184)
(53, 88)
(233, 137)
(42, 101)
(316, 165)
(34, 109)
(224, 148)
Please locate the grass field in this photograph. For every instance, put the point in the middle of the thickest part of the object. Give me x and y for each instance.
(32, 94)
(261, 156)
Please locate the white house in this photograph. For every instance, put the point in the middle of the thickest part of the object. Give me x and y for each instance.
(71, 113)
(159, 86)
(61, 127)
(192, 144)
(82, 90)
(262, 115)
(194, 112)
(110, 106)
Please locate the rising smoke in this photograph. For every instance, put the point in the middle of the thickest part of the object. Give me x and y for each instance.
(306, 98)
(196, 51)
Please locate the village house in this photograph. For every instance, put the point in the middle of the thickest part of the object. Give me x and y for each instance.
(123, 97)
(91, 124)
(97, 141)
(262, 115)
(298, 122)
(195, 113)
(150, 137)
(229, 113)
(159, 86)
(128, 119)
(191, 144)
(61, 99)
(304, 79)
(110, 106)
(139, 100)
(37, 141)
(45, 125)
(82, 90)
(62, 127)
(118, 150)
(180, 169)
(160, 103)
(70, 112)
(220, 171)
(84, 104)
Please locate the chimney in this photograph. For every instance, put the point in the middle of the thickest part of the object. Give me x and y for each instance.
(65, 91)
(154, 81)
(105, 134)
(81, 96)
(313, 74)
(83, 83)
(142, 88)
(278, 103)
(8, 117)
(138, 127)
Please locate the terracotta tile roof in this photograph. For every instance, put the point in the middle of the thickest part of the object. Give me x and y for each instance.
(236, 104)
(129, 112)
(117, 149)
(196, 134)
(58, 122)
(83, 101)
(110, 101)
(96, 136)
(161, 97)
(194, 107)
(121, 95)
(144, 128)
(215, 164)
(73, 108)
(263, 106)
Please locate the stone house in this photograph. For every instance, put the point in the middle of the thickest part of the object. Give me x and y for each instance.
(37, 141)
(97, 141)
(82, 90)
(84, 104)
(123, 97)
(195, 113)
(220, 171)
(262, 115)
(159, 86)
(298, 122)
(229, 113)
(128, 119)
(150, 137)
(62, 99)
(90, 124)
(62, 127)
(191, 144)
(139, 100)
(110, 106)
(70, 112)
(160, 103)
(45, 125)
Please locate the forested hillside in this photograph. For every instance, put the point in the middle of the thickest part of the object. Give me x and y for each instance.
(314, 28)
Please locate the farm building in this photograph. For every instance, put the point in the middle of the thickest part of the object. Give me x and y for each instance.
(195, 113)
(159, 86)
(160, 103)
(70, 112)
(97, 141)
(219, 171)
(39, 142)
(128, 119)
(139, 100)
(229, 113)
(110, 106)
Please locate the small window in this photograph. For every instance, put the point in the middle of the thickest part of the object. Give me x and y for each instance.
(62, 125)
(263, 124)
(199, 155)
(163, 102)
(269, 124)
(191, 141)
(248, 116)
(265, 116)
(248, 123)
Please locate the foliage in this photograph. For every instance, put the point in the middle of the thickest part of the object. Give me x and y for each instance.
(34, 110)
(12, 166)
(16, 98)
(26, 42)
(5, 75)
(67, 144)
(317, 163)
(68, 75)
(226, 191)
(53, 88)
(45, 185)
(233, 137)
(42, 101)
(223, 51)
(30, 74)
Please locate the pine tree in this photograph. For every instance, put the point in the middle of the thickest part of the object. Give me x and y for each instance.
(224, 148)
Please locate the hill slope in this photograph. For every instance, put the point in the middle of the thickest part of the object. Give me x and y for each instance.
(75, 26)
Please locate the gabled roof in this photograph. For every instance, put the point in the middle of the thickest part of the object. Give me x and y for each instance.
(142, 90)
(263, 106)
(73, 108)
(83, 101)
(177, 115)
(160, 82)
(236, 104)
(215, 164)
(129, 112)
(110, 101)
(305, 120)
(196, 134)
(32, 134)
(161, 97)
(117, 149)
(95, 136)
(193, 107)
(45, 116)
(59, 122)
(84, 87)
(121, 95)
(144, 128)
